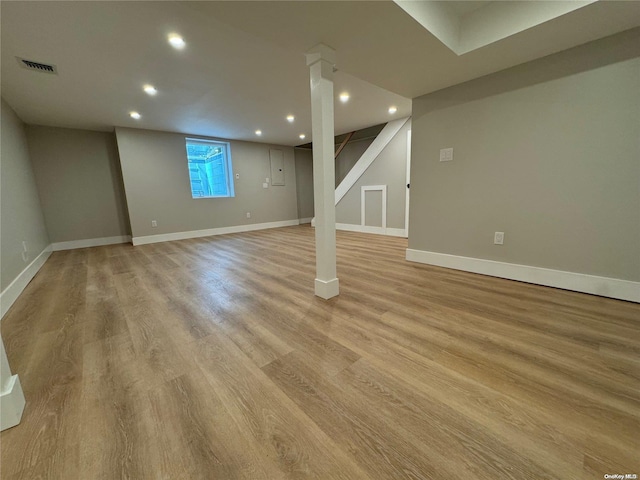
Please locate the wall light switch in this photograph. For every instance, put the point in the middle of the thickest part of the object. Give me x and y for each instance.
(446, 154)
(498, 238)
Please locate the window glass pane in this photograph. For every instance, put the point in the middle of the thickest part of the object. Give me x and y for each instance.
(208, 169)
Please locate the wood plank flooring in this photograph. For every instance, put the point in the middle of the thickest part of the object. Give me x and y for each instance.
(211, 359)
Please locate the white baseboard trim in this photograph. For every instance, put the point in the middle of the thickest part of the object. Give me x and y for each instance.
(391, 232)
(578, 282)
(327, 288)
(167, 237)
(90, 242)
(10, 294)
(305, 220)
(12, 404)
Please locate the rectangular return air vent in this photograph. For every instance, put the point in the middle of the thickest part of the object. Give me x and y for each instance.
(37, 66)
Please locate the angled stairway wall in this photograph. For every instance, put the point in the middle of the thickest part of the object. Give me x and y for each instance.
(381, 168)
(377, 180)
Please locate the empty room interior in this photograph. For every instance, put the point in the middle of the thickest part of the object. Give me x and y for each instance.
(320, 240)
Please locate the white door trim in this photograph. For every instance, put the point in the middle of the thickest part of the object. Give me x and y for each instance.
(406, 202)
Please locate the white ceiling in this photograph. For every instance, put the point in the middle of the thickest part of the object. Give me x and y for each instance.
(462, 8)
(226, 83)
(468, 26)
(380, 42)
(243, 68)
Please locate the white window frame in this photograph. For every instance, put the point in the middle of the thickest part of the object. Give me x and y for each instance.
(228, 167)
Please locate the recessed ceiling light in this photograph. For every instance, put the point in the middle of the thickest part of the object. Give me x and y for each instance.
(258, 132)
(344, 97)
(393, 110)
(135, 115)
(176, 41)
(302, 136)
(150, 89)
(290, 118)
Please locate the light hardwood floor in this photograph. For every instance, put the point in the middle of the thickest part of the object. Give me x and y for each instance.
(211, 359)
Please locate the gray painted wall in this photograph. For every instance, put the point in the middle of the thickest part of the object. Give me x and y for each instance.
(304, 182)
(22, 218)
(547, 152)
(389, 168)
(80, 183)
(349, 156)
(156, 180)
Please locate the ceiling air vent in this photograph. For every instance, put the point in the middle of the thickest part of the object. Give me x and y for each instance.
(37, 66)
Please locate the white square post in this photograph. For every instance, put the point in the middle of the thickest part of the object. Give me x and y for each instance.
(320, 60)
(11, 397)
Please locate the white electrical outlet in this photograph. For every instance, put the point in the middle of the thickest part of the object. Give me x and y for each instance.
(154, 224)
(248, 214)
(265, 185)
(237, 176)
(498, 238)
(446, 154)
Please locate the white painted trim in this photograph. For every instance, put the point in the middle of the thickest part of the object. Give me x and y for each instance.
(327, 288)
(395, 232)
(12, 404)
(167, 237)
(579, 282)
(382, 140)
(363, 204)
(90, 242)
(10, 294)
(408, 180)
(391, 232)
(305, 220)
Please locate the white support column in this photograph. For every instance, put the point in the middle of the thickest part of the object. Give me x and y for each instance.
(321, 60)
(11, 397)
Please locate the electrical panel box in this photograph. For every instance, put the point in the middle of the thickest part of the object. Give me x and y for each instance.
(277, 167)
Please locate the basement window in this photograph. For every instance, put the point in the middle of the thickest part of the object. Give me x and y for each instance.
(210, 171)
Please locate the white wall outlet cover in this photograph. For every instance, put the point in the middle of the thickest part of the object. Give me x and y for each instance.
(446, 154)
(154, 223)
(265, 185)
(498, 238)
(248, 214)
(237, 176)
